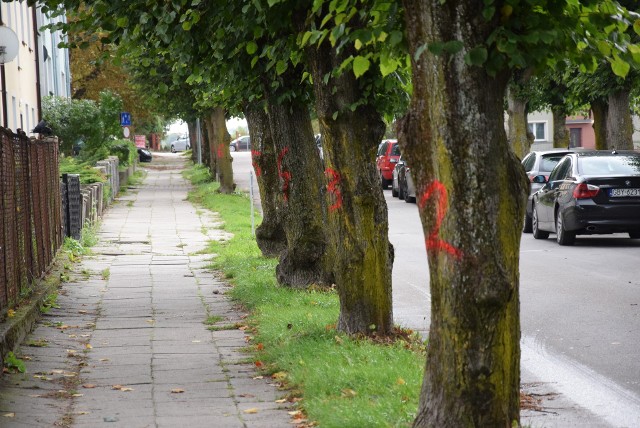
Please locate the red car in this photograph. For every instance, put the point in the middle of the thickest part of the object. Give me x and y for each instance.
(386, 160)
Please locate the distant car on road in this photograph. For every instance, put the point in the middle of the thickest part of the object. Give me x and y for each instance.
(180, 145)
(406, 188)
(594, 192)
(539, 163)
(240, 144)
(386, 159)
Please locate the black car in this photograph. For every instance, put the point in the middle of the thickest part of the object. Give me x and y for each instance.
(144, 155)
(595, 192)
(240, 144)
(539, 163)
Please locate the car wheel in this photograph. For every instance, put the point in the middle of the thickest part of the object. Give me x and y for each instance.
(634, 235)
(383, 181)
(408, 199)
(173, 149)
(527, 227)
(394, 190)
(400, 191)
(232, 148)
(537, 233)
(562, 235)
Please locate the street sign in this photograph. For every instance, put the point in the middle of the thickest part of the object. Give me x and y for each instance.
(140, 140)
(126, 131)
(125, 118)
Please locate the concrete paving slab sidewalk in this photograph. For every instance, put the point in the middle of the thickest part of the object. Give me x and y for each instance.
(126, 345)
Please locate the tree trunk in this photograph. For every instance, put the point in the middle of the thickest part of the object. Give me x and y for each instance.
(520, 139)
(619, 121)
(357, 211)
(191, 128)
(304, 260)
(560, 131)
(471, 194)
(220, 141)
(600, 110)
(212, 149)
(270, 234)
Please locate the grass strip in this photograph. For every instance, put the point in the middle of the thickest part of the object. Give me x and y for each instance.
(343, 381)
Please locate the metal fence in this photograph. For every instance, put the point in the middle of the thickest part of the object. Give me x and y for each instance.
(30, 211)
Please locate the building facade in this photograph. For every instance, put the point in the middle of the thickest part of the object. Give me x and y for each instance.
(40, 69)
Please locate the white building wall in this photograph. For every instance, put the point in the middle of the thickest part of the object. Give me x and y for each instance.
(542, 124)
(21, 74)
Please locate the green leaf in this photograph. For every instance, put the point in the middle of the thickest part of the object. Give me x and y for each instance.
(435, 48)
(305, 38)
(360, 65)
(252, 47)
(195, 2)
(476, 56)
(387, 65)
(453, 47)
(620, 67)
(604, 47)
(357, 44)
(281, 67)
(335, 115)
(488, 12)
(395, 38)
(122, 22)
(636, 26)
(186, 25)
(305, 75)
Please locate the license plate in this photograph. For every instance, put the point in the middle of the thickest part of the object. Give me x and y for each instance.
(622, 193)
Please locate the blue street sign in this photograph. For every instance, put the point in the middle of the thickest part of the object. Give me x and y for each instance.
(125, 119)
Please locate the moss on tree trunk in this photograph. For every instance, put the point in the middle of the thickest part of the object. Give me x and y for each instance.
(270, 234)
(600, 108)
(357, 212)
(471, 195)
(520, 139)
(619, 122)
(560, 131)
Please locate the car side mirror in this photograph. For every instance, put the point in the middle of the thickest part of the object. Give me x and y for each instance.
(540, 179)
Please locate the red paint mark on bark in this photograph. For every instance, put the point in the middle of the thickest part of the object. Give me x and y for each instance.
(254, 161)
(220, 151)
(284, 175)
(433, 241)
(333, 187)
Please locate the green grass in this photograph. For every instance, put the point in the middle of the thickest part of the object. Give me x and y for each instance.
(344, 382)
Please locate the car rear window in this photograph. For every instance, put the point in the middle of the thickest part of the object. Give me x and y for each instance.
(548, 162)
(609, 165)
(395, 150)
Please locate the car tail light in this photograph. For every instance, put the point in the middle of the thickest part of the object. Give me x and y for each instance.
(585, 191)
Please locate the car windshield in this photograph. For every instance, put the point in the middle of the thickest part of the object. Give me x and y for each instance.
(547, 163)
(610, 165)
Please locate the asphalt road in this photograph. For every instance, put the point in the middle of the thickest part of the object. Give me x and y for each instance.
(580, 310)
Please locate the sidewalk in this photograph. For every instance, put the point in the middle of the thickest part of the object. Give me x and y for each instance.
(128, 346)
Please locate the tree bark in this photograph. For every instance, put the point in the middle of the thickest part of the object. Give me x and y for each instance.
(212, 150)
(270, 234)
(560, 131)
(304, 261)
(520, 139)
(471, 194)
(619, 121)
(600, 110)
(357, 212)
(191, 129)
(220, 140)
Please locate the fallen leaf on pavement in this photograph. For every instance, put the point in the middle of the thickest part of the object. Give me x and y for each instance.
(258, 377)
(88, 346)
(295, 413)
(252, 410)
(82, 312)
(282, 400)
(259, 364)
(177, 391)
(259, 346)
(246, 395)
(9, 415)
(11, 313)
(88, 386)
(121, 388)
(77, 395)
(348, 393)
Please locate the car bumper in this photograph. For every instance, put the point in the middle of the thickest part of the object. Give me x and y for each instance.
(590, 218)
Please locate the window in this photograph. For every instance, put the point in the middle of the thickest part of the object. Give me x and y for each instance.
(561, 171)
(539, 130)
(529, 161)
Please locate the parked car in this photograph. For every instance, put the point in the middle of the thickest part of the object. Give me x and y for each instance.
(144, 155)
(240, 143)
(539, 163)
(395, 183)
(594, 192)
(181, 144)
(387, 158)
(406, 188)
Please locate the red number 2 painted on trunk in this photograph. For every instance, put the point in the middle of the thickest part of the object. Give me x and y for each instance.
(254, 156)
(333, 187)
(285, 175)
(433, 240)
